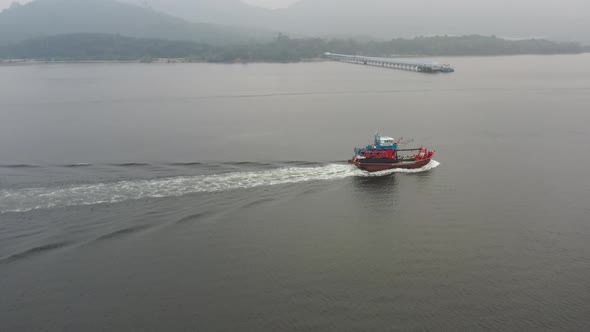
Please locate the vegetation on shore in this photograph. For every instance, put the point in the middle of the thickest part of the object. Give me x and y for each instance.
(94, 47)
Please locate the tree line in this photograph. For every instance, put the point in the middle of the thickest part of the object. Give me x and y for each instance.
(81, 47)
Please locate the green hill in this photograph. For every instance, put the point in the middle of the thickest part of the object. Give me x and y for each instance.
(54, 17)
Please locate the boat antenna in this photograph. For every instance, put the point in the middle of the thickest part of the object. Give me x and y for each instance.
(378, 132)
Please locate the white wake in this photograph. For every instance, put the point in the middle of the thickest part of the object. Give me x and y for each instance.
(22, 200)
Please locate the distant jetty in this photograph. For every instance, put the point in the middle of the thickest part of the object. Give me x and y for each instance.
(394, 63)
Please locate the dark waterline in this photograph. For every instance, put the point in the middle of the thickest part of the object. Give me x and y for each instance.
(216, 197)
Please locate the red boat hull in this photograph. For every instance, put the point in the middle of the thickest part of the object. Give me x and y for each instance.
(376, 167)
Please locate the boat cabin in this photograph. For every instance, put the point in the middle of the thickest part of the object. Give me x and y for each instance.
(384, 141)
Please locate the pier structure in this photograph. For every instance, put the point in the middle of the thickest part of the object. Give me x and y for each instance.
(394, 63)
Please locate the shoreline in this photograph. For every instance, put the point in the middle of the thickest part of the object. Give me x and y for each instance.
(154, 61)
(185, 60)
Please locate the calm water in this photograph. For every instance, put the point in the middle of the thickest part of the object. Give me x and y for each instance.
(215, 197)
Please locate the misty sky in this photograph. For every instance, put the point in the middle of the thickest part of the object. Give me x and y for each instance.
(7, 3)
(262, 3)
(271, 3)
(533, 5)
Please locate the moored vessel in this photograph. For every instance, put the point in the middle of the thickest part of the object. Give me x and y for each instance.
(385, 154)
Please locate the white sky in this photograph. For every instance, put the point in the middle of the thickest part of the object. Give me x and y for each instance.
(7, 3)
(262, 3)
(271, 3)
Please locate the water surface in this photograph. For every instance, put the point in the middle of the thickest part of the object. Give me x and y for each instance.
(217, 197)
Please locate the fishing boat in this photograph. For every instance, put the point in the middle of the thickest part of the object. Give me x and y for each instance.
(385, 154)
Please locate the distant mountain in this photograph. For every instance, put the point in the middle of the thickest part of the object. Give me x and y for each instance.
(87, 46)
(53, 17)
(560, 20)
(229, 12)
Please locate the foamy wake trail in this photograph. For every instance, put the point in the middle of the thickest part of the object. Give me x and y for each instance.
(22, 200)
